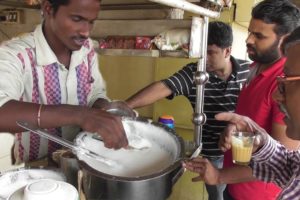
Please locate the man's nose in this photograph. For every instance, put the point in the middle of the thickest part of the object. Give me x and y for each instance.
(250, 39)
(85, 29)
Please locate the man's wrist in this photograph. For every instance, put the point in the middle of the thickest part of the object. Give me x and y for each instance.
(101, 103)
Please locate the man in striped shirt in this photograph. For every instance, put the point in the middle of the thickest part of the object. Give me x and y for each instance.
(271, 161)
(226, 77)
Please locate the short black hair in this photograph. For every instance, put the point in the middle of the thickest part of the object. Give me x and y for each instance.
(219, 34)
(56, 3)
(283, 13)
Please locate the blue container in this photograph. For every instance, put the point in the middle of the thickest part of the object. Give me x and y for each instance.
(167, 120)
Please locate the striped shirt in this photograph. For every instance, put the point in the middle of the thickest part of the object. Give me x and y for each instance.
(30, 72)
(274, 163)
(219, 96)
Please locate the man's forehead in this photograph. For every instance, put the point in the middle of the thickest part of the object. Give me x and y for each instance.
(259, 26)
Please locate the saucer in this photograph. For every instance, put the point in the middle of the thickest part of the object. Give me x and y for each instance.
(14, 180)
(46, 189)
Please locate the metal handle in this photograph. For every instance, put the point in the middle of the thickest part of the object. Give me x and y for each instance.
(49, 136)
(67, 144)
(179, 173)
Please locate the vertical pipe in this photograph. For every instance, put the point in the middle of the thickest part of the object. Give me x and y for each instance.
(201, 78)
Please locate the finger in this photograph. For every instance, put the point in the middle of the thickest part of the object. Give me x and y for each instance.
(114, 134)
(119, 133)
(198, 178)
(196, 162)
(228, 116)
(194, 168)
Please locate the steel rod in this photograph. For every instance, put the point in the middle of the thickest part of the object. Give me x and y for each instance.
(201, 78)
(187, 6)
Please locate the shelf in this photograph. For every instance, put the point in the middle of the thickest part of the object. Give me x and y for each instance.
(104, 28)
(143, 53)
(128, 52)
(105, 4)
(18, 4)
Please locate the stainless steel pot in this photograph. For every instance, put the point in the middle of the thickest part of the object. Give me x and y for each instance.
(155, 186)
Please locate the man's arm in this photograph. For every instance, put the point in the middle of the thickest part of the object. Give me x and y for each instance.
(279, 134)
(149, 95)
(89, 119)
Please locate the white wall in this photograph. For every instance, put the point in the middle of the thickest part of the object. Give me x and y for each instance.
(240, 33)
(30, 18)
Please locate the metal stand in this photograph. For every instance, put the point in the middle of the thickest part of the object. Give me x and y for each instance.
(200, 77)
(199, 48)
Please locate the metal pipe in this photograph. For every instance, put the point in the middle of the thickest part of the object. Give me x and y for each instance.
(187, 6)
(201, 77)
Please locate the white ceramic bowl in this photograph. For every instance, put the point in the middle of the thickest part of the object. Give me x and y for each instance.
(46, 189)
(14, 180)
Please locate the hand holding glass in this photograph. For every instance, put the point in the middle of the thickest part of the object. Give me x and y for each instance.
(242, 145)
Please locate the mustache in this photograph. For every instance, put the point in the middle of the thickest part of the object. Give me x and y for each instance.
(250, 47)
(80, 38)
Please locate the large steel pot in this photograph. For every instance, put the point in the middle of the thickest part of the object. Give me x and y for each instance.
(154, 186)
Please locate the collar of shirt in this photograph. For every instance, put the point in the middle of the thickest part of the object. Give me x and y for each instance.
(272, 68)
(45, 55)
(268, 72)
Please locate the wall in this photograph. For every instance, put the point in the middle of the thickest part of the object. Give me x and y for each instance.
(30, 19)
(240, 34)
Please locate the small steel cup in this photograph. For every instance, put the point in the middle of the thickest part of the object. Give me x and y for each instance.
(69, 166)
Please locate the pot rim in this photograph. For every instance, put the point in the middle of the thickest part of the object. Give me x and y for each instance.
(173, 166)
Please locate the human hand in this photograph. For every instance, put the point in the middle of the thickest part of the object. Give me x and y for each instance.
(120, 108)
(207, 172)
(107, 125)
(240, 123)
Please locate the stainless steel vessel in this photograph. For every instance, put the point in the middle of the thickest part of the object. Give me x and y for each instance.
(157, 186)
(106, 187)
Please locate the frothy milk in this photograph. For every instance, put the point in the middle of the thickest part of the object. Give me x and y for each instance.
(161, 152)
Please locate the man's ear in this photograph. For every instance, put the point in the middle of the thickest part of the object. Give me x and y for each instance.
(227, 51)
(281, 43)
(46, 8)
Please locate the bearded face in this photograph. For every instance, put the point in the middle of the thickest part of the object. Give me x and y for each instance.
(264, 56)
(263, 44)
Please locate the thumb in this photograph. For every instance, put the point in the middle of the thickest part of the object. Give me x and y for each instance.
(260, 140)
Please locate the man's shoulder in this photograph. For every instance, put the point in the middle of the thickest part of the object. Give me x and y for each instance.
(239, 64)
(190, 66)
(18, 44)
(242, 62)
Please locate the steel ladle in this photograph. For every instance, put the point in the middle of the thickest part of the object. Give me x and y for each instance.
(76, 149)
